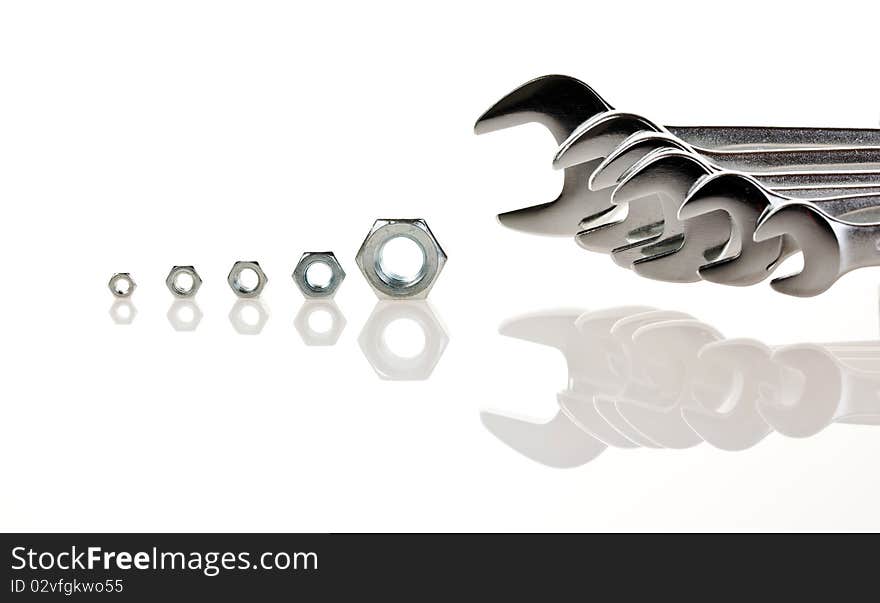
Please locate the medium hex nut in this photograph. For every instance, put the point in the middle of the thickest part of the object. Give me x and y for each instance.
(119, 290)
(234, 279)
(387, 284)
(176, 289)
(301, 274)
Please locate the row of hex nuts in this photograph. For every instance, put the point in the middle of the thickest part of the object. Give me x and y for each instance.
(385, 285)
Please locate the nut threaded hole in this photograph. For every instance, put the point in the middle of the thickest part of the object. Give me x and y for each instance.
(247, 280)
(319, 275)
(401, 262)
(183, 282)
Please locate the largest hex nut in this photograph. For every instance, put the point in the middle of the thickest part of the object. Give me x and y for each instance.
(234, 279)
(387, 284)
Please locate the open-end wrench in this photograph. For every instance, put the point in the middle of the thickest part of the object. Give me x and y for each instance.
(831, 246)
(560, 103)
(644, 221)
(611, 134)
(596, 137)
(686, 245)
(794, 177)
(752, 259)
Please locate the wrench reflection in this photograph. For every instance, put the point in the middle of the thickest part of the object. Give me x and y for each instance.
(641, 377)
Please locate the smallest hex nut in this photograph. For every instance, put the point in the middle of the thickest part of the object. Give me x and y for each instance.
(176, 289)
(121, 284)
(310, 289)
(239, 288)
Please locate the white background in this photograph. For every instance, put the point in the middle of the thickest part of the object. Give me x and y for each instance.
(135, 136)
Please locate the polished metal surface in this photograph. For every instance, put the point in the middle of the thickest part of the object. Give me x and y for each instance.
(598, 135)
(677, 252)
(171, 281)
(562, 104)
(680, 203)
(831, 246)
(313, 290)
(239, 288)
(645, 220)
(387, 284)
(637, 146)
(121, 284)
(745, 200)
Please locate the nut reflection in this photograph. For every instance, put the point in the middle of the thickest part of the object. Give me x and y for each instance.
(307, 318)
(184, 315)
(248, 316)
(123, 311)
(384, 340)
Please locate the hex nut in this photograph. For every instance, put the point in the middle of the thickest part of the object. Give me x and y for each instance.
(388, 285)
(116, 290)
(235, 282)
(301, 274)
(176, 290)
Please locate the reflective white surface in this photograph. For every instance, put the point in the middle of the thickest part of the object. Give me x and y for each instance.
(639, 376)
(407, 361)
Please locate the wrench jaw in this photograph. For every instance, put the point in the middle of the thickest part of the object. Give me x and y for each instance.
(813, 232)
(576, 203)
(598, 136)
(608, 236)
(684, 246)
(642, 189)
(558, 102)
(744, 200)
(629, 153)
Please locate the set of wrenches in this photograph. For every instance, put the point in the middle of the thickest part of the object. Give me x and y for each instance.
(640, 377)
(723, 204)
